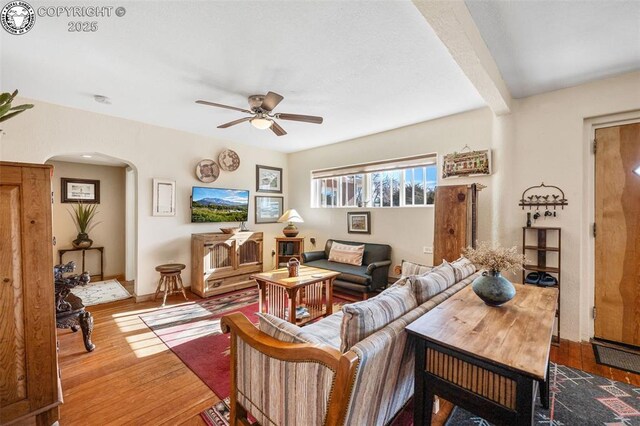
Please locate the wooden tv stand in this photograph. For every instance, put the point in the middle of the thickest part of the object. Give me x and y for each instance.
(224, 262)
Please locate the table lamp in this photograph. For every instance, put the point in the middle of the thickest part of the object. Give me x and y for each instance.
(290, 216)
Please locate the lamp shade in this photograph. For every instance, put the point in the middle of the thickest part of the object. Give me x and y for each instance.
(291, 215)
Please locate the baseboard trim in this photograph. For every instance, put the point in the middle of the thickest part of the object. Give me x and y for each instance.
(149, 297)
(143, 298)
(118, 277)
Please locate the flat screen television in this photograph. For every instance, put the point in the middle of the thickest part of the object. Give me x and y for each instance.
(219, 205)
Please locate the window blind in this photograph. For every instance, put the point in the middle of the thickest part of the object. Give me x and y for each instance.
(377, 166)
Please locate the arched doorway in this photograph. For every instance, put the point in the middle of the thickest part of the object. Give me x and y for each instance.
(118, 205)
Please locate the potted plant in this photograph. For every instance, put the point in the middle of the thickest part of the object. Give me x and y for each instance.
(83, 216)
(491, 286)
(6, 110)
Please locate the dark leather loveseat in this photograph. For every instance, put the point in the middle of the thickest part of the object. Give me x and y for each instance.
(359, 281)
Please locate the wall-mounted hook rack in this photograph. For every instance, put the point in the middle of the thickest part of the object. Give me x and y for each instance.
(553, 197)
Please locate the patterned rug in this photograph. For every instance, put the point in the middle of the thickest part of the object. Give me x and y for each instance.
(577, 398)
(192, 331)
(99, 292)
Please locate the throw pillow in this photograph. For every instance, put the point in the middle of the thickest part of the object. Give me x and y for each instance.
(345, 253)
(463, 268)
(411, 268)
(362, 319)
(428, 285)
(281, 329)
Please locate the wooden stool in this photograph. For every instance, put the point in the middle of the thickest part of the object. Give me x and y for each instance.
(170, 278)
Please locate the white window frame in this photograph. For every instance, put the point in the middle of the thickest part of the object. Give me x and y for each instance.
(319, 199)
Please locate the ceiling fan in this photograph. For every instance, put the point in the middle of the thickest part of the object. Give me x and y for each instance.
(262, 115)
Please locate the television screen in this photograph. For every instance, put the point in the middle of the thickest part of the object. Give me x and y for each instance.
(219, 205)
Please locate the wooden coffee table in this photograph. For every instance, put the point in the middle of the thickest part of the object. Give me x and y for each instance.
(281, 295)
(487, 360)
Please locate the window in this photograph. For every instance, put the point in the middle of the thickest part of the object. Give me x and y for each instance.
(397, 183)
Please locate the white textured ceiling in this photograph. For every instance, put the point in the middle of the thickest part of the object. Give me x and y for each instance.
(365, 67)
(541, 46)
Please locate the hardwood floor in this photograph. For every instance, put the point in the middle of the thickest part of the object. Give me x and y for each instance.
(133, 378)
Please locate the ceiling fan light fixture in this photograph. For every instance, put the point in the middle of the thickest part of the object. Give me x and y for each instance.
(261, 123)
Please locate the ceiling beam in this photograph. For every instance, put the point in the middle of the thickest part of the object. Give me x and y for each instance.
(455, 27)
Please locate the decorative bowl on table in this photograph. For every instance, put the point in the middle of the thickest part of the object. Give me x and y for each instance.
(230, 230)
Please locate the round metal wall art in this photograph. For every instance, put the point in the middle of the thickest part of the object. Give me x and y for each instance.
(207, 171)
(229, 160)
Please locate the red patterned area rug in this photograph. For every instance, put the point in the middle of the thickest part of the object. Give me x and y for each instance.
(192, 331)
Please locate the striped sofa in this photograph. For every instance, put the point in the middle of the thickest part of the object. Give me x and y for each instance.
(286, 375)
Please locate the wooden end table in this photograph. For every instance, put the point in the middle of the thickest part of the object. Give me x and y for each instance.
(61, 252)
(313, 287)
(487, 360)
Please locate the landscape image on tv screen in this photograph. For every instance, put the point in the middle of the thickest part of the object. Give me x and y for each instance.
(219, 205)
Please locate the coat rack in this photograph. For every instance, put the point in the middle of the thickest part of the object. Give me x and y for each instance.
(554, 197)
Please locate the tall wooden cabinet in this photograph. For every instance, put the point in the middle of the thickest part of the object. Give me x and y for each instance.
(28, 358)
(224, 262)
(456, 221)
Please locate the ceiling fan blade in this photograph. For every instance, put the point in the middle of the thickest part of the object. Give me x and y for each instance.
(233, 123)
(223, 106)
(297, 117)
(279, 131)
(271, 101)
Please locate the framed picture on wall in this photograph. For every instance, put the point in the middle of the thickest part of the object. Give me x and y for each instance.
(268, 179)
(466, 163)
(268, 209)
(80, 190)
(359, 222)
(164, 197)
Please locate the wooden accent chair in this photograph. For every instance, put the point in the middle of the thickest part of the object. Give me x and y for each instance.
(319, 371)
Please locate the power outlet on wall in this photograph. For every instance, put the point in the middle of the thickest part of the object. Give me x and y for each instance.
(427, 250)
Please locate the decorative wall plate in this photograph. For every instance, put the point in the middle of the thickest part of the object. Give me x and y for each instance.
(229, 160)
(207, 171)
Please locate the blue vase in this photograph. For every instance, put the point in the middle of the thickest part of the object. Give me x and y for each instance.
(493, 288)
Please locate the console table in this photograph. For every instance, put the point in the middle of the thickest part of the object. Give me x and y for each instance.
(61, 252)
(487, 360)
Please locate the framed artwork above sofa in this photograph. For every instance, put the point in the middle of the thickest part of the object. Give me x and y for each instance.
(359, 222)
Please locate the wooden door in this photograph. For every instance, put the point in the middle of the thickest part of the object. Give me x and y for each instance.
(28, 361)
(453, 222)
(617, 242)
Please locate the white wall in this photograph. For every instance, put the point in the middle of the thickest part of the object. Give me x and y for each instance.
(110, 233)
(408, 230)
(49, 130)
